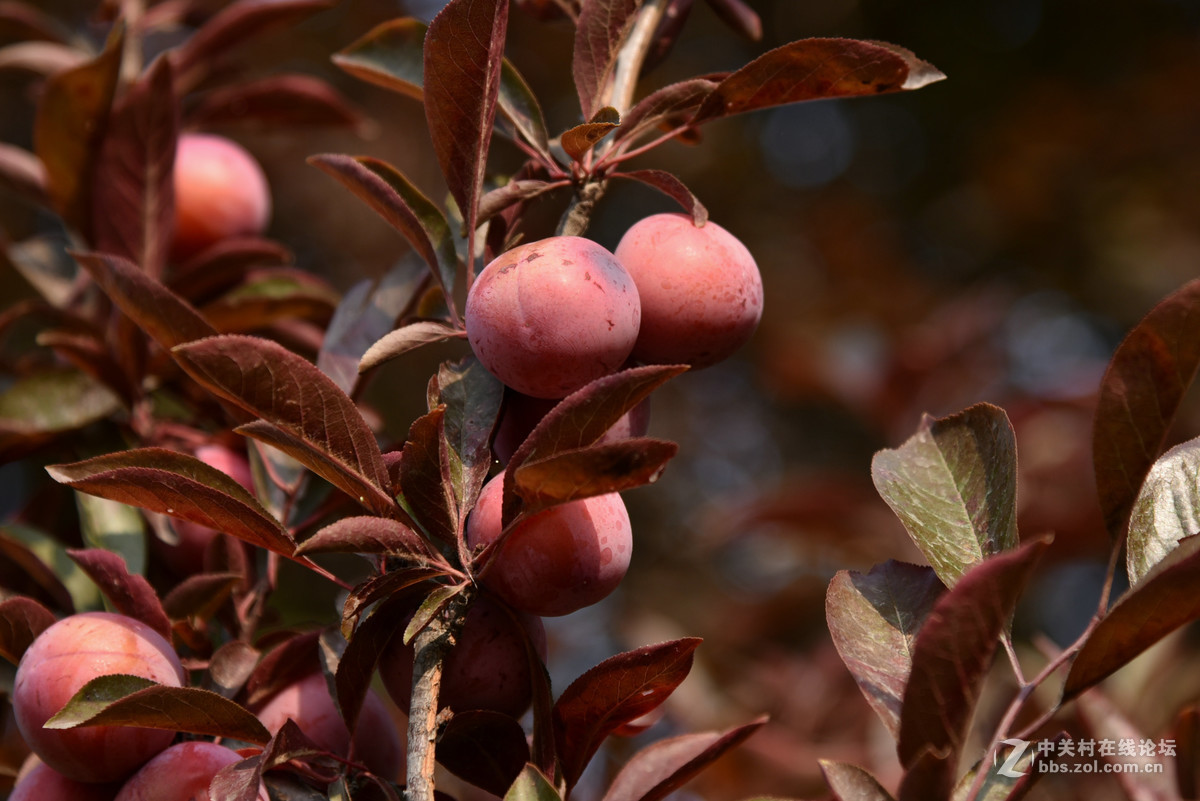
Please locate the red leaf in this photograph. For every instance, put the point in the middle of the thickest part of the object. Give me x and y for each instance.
(664, 104)
(291, 394)
(363, 646)
(814, 69)
(501, 198)
(406, 338)
(380, 587)
(231, 666)
(233, 26)
(954, 649)
(660, 769)
(133, 184)
(674, 188)
(852, 783)
(178, 485)
(130, 594)
(1139, 396)
(599, 34)
(279, 101)
(225, 265)
(167, 318)
(89, 351)
(421, 478)
(739, 16)
(22, 172)
(365, 534)
(587, 472)
(286, 663)
(21, 621)
(200, 596)
(22, 572)
(463, 51)
(615, 692)
(487, 749)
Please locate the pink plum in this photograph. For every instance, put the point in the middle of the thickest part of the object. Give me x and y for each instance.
(220, 192)
(558, 560)
(67, 656)
(182, 772)
(701, 291)
(547, 317)
(37, 781)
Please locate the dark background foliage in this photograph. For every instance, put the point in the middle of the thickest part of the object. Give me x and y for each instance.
(987, 239)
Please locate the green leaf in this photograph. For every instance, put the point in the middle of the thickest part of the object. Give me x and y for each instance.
(113, 526)
(954, 486)
(532, 785)
(53, 401)
(1166, 511)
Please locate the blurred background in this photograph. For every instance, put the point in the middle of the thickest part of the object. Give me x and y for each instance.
(987, 239)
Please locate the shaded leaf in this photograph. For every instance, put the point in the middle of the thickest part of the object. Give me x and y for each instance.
(89, 351)
(22, 21)
(288, 392)
(57, 400)
(394, 198)
(367, 312)
(580, 139)
(179, 485)
(600, 31)
(121, 700)
(663, 105)
(587, 472)
(232, 664)
(532, 785)
(224, 265)
(616, 691)
(130, 594)
(133, 182)
(41, 261)
(427, 495)
(240, 781)
(501, 198)
(464, 47)
(485, 748)
(520, 107)
(814, 69)
(406, 338)
(1163, 600)
(278, 101)
(673, 188)
(270, 296)
(158, 311)
(1166, 511)
(363, 647)
(200, 596)
(233, 26)
(431, 605)
(739, 16)
(389, 55)
(472, 397)
(285, 663)
(22, 172)
(954, 486)
(71, 117)
(21, 621)
(365, 534)
(1140, 395)
(953, 652)
(1187, 739)
(382, 587)
(852, 783)
(24, 573)
(660, 769)
(113, 526)
(931, 775)
(874, 619)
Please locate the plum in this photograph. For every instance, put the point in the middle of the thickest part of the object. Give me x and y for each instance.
(59, 662)
(558, 560)
(37, 781)
(547, 317)
(182, 772)
(701, 291)
(220, 192)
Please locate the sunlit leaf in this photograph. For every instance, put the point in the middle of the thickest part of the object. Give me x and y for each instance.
(673, 188)
(1166, 511)
(532, 785)
(601, 30)
(954, 486)
(580, 139)
(365, 534)
(406, 338)
(130, 594)
(591, 471)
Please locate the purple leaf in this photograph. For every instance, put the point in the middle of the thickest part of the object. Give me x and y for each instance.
(660, 769)
(463, 51)
(953, 652)
(278, 101)
(385, 586)
(233, 26)
(815, 69)
(931, 775)
(406, 338)
(120, 700)
(873, 620)
(852, 783)
(21, 621)
(389, 55)
(615, 692)
(158, 311)
(485, 748)
(269, 296)
(363, 647)
(663, 105)
(179, 485)
(954, 486)
(674, 188)
(394, 198)
(602, 28)
(240, 781)
(1140, 395)
(71, 117)
(224, 265)
(130, 594)
(133, 183)
(285, 663)
(200, 596)
(739, 16)
(292, 395)
(587, 472)
(365, 534)
(421, 478)
(520, 108)
(23, 573)
(501, 198)
(1162, 601)
(22, 173)
(579, 140)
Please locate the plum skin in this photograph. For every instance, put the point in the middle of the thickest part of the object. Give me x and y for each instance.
(40, 782)
(220, 192)
(701, 292)
(558, 560)
(59, 662)
(377, 743)
(187, 556)
(548, 317)
(488, 667)
(182, 772)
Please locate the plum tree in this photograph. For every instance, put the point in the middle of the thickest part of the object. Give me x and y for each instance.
(558, 560)
(220, 192)
(522, 413)
(488, 667)
(59, 662)
(182, 772)
(308, 702)
(701, 291)
(40, 782)
(547, 317)
(187, 556)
